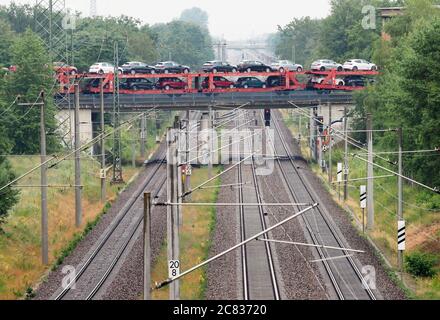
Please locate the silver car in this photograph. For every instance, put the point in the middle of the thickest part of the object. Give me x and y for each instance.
(324, 65)
(284, 65)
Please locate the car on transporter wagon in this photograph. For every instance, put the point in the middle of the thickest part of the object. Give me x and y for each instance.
(104, 68)
(218, 82)
(218, 66)
(135, 67)
(250, 82)
(284, 65)
(359, 65)
(136, 84)
(61, 67)
(171, 67)
(253, 65)
(171, 83)
(325, 65)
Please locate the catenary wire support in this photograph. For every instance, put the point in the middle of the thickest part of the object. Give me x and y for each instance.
(281, 223)
(311, 245)
(117, 152)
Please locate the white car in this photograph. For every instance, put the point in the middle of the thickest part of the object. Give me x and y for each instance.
(103, 68)
(359, 64)
(284, 65)
(324, 65)
(320, 80)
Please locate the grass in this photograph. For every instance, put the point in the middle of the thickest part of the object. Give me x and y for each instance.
(20, 256)
(423, 222)
(195, 243)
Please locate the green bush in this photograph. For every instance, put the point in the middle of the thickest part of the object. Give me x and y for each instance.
(429, 200)
(421, 264)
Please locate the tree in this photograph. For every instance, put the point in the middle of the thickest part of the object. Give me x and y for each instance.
(408, 95)
(94, 40)
(141, 46)
(34, 74)
(6, 39)
(197, 16)
(342, 35)
(20, 17)
(183, 41)
(298, 40)
(8, 196)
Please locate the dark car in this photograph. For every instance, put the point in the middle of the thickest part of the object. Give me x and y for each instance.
(253, 65)
(358, 81)
(218, 82)
(171, 67)
(277, 81)
(135, 67)
(136, 84)
(218, 66)
(92, 86)
(250, 82)
(171, 83)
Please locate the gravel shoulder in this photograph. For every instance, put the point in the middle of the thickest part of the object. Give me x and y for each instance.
(224, 279)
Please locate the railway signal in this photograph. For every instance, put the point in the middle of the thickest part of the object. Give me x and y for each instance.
(267, 117)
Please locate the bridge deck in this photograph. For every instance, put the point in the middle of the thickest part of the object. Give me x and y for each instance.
(254, 100)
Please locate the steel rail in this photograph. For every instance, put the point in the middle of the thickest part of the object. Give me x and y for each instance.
(110, 232)
(324, 216)
(268, 248)
(122, 249)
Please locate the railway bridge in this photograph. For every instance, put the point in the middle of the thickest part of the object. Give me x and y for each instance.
(90, 104)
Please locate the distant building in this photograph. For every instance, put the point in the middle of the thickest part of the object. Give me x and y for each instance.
(389, 13)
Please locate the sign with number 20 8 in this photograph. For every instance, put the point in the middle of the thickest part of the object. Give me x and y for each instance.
(173, 268)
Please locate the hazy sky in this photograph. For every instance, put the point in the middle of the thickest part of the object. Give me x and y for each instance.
(234, 19)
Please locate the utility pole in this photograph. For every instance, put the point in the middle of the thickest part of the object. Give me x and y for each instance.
(143, 135)
(400, 218)
(172, 216)
(78, 208)
(43, 179)
(330, 171)
(204, 136)
(178, 175)
(211, 142)
(44, 211)
(158, 127)
(345, 154)
(133, 149)
(147, 246)
(293, 53)
(103, 172)
(312, 134)
(370, 174)
(187, 157)
(319, 143)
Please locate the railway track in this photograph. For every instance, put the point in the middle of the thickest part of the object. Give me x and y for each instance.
(108, 251)
(343, 271)
(257, 267)
(95, 272)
